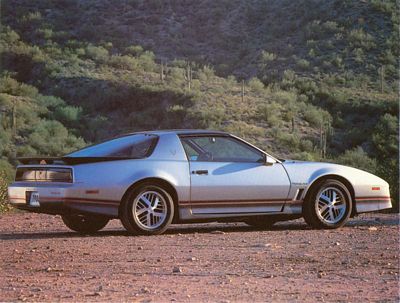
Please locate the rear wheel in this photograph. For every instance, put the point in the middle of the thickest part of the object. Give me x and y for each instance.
(84, 224)
(328, 205)
(261, 222)
(147, 210)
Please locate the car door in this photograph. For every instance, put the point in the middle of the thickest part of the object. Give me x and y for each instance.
(228, 176)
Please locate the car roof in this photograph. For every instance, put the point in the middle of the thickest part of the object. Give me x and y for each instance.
(182, 132)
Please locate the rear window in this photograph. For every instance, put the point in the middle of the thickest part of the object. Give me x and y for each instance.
(132, 146)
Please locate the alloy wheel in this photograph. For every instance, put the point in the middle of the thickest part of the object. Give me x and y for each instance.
(150, 210)
(330, 205)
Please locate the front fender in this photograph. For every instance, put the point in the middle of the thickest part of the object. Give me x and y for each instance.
(364, 184)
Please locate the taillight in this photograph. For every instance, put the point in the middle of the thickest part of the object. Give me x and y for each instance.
(44, 174)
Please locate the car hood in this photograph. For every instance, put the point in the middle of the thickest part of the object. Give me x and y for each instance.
(304, 172)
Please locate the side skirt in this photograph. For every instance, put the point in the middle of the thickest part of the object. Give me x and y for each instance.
(203, 210)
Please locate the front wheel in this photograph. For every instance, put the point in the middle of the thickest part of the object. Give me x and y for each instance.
(328, 205)
(147, 210)
(84, 224)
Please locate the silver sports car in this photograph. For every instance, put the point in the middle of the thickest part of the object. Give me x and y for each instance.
(152, 179)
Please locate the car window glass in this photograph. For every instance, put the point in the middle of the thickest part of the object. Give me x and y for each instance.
(132, 146)
(219, 149)
(191, 153)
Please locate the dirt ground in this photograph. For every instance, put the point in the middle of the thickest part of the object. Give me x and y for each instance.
(41, 260)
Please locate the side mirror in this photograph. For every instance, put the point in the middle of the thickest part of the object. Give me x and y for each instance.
(268, 161)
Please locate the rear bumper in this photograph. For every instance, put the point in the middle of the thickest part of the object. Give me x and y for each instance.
(60, 199)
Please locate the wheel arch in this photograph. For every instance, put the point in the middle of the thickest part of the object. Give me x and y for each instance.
(155, 181)
(340, 178)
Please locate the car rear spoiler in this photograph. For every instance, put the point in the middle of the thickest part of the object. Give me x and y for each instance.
(67, 160)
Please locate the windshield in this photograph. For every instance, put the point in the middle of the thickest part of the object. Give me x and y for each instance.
(131, 146)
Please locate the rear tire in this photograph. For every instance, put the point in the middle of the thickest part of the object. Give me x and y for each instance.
(328, 205)
(147, 210)
(84, 224)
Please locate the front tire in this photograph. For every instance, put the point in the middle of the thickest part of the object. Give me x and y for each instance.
(84, 224)
(328, 205)
(147, 210)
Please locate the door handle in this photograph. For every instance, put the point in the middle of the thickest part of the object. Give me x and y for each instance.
(200, 172)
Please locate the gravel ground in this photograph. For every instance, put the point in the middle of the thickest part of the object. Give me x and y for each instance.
(41, 260)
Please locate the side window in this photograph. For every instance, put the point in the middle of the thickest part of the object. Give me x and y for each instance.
(191, 153)
(219, 149)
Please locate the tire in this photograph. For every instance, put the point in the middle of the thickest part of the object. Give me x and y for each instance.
(261, 222)
(84, 224)
(147, 210)
(328, 205)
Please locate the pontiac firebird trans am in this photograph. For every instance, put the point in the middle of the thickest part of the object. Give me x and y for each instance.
(152, 179)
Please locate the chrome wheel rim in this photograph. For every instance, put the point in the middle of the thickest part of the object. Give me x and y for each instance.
(331, 205)
(150, 210)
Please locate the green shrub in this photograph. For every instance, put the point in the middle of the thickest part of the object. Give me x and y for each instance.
(303, 64)
(97, 53)
(289, 141)
(284, 97)
(386, 144)
(388, 58)
(246, 131)
(46, 33)
(31, 17)
(4, 204)
(306, 145)
(206, 73)
(330, 27)
(384, 6)
(124, 62)
(8, 36)
(358, 158)
(11, 86)
(289, 77)
(134, 50)
(305, 156)
(266, 56)
(316, 116)
(176, 76)
(68, 114)
(52, 138)
(146, 61)
(271, 113)
(359, 38)
(265, 59)
(256, 85)
(358, 54)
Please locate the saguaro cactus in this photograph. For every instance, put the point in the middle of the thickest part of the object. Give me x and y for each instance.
(189, 76)
(242, 90)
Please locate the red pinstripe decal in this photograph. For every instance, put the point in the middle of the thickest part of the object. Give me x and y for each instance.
(260, 202)
(233, 201)
(76, 200)
(372, 198)
(68, 199)
(91, 201)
